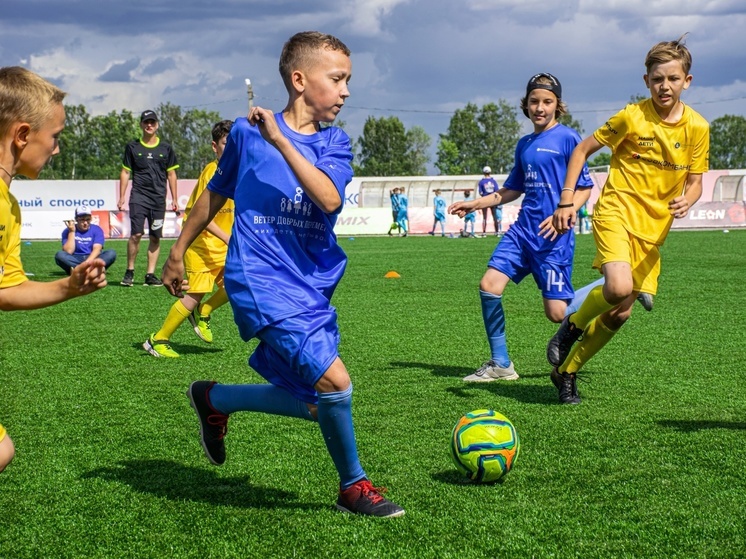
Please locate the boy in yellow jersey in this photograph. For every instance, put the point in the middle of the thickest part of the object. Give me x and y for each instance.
(204, 262)
(31, 118)
(660, 148)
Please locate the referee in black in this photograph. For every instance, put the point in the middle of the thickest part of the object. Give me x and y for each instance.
(152, 163)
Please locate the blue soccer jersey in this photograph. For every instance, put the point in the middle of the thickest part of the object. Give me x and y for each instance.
(471, 216)
(539, 172)
(439, 208)
(283, 259)
(403, 205)
(487, 185)
(395, 202)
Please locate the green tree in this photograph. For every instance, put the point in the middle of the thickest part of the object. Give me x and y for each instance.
(189, 133)
(601, 160)
(72, 157)
(111, 132)
(485, 136)
(568, 120)
(728, 142)
(91, 148)
(418, 142)
(500, 133)
(385, 148)
(448, 158)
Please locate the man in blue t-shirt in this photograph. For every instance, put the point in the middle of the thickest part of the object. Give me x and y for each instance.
(488, 185)
(287, 176)
(82, 241)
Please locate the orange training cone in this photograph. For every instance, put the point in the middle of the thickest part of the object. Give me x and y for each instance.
(392, 274)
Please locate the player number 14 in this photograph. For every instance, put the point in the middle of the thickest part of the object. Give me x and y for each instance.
(554, 280)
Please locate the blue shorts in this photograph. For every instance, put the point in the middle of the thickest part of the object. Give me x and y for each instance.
(470, 217)
(515, 261)
(439, 216)
(295, 352)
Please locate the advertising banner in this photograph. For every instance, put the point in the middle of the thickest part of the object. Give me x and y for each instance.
(46, 204)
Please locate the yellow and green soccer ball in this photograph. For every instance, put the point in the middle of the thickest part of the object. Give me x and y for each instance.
(484, 445)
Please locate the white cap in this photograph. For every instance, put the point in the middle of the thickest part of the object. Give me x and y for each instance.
(486, 170)
(82, 210)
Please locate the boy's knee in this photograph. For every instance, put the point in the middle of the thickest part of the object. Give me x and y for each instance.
(7, 452)
(617, 292)
(489, 285)
(333, 383)
(335, 378)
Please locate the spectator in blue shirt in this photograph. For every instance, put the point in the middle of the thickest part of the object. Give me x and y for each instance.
(82, 241)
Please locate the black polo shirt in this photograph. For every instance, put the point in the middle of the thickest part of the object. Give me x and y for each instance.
(149, 167)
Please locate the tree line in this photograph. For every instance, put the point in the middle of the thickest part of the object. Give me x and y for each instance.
(92, 146)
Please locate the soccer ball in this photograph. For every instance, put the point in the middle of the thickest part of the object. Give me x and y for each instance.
(484, 445)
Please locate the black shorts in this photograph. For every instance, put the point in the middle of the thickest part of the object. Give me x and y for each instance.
(140, 214)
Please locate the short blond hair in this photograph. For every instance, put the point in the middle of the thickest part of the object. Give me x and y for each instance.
(667, 51)
(26, 97)
(298, 52)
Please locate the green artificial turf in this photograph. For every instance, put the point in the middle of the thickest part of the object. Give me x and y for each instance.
(651, 464)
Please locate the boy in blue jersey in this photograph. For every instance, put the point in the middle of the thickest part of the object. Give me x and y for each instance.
(287, 177)
(394, 195)
(439, 213)
(469, 217)
(531, 245)
(402, 215)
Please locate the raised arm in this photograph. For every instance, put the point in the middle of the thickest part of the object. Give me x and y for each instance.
(315, 182)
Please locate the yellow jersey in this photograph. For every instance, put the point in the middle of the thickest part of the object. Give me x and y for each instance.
(650, 163)
(208, 251)
(11, 269)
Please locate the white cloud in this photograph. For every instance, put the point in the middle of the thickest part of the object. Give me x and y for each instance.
(366, 16)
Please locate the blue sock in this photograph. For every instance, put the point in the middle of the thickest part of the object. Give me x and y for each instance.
(264, 398)
(335, 420)
(580, 296)
(494, 324)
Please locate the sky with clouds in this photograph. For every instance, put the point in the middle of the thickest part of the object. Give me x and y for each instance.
(418, 60)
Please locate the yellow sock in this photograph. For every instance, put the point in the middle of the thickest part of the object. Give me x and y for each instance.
(216, 301)
(176, 315)
(596, 336)
(593, 306)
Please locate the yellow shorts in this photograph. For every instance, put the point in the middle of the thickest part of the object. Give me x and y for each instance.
(615, 244)
(203, 282)
(2, 432)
